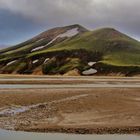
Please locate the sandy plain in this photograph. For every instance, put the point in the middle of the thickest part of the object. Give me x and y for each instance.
(87, 110)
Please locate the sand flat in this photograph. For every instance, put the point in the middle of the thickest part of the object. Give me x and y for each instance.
(99, 110)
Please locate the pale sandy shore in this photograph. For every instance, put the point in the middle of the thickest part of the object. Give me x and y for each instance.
(99, 110)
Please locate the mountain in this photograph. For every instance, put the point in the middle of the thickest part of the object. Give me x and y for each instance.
(3, 46)
(74, 50)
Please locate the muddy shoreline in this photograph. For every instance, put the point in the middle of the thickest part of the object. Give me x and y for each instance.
(71, 110)
(98, 131)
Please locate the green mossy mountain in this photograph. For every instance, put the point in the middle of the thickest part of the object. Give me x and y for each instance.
(62, 49)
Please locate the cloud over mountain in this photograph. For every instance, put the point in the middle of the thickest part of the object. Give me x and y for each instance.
(121, 14)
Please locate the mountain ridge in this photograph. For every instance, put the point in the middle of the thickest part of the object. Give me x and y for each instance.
(72, 48)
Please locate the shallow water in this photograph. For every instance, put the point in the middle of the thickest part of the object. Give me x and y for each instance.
(102, 84)
(11, 135)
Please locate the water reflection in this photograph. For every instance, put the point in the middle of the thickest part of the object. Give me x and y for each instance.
(10, 135)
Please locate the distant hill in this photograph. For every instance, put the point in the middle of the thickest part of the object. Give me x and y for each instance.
(3, 46)
(74, 50)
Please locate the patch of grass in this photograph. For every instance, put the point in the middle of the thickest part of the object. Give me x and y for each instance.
(70, 64)
(122, 59)
(17, 66)
(105, 68)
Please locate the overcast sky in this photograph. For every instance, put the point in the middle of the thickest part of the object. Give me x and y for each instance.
(23, 19)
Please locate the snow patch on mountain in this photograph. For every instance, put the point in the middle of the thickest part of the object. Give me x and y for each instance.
(35, 61)
(89, 72)
(38, 48)
(47, 59)
(91, 63)
(69, 33)
(11, 62)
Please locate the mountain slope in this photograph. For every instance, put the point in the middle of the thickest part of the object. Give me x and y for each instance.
(63, 49)
(47, 36)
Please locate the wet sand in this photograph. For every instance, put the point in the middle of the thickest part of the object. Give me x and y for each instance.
(92, 110)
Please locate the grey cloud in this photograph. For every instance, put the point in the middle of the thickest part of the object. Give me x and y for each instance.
(120, 14)
(14, 28)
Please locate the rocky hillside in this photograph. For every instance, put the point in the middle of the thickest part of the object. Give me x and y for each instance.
(73, 50)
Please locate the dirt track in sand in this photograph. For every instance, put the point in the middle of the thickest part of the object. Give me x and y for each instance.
(70, 110)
